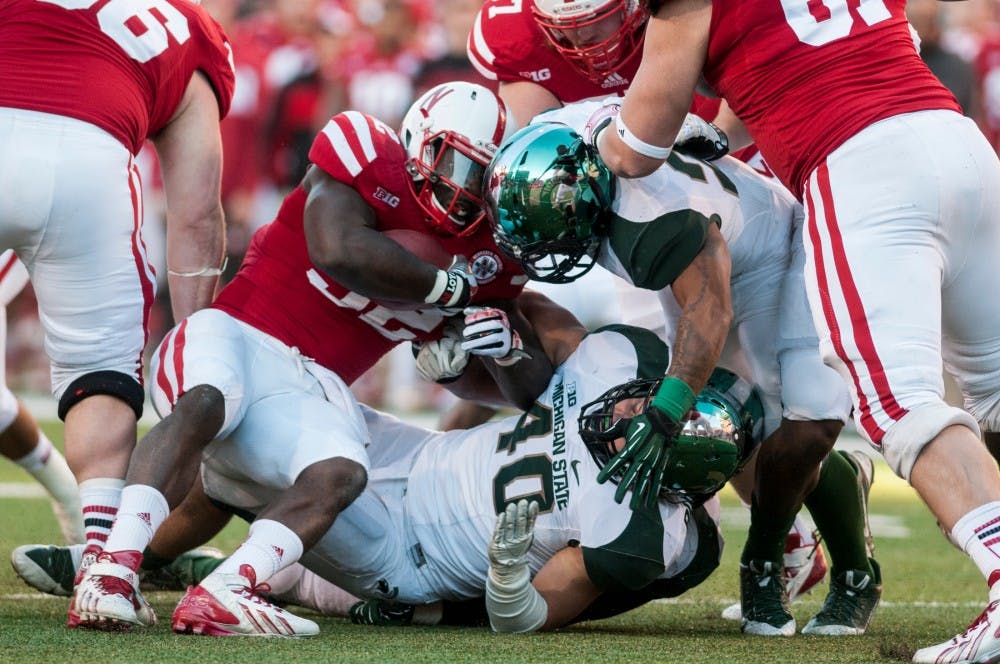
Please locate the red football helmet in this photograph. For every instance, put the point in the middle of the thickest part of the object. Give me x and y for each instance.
(595, 36)
(451, 133)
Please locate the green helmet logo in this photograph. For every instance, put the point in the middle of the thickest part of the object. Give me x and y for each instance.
(548, 197)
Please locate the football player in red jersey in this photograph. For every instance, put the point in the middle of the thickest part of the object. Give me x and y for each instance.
(902, 196)
(258, 381)
(82, 86)
(546, 53)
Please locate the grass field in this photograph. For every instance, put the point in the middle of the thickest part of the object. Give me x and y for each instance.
(931, 591)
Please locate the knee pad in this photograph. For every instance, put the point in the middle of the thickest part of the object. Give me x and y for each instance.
(111, 383)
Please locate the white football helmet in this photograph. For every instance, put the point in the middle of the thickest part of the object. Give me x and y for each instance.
(450, 134)
(595, 36)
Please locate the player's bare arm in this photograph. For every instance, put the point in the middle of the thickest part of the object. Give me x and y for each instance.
(525, 100)
(565, 586)
(702, 290)
(343, 242)
(190, 153)
(661, 92)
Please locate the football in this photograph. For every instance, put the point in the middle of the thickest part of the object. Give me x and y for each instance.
(425, 247)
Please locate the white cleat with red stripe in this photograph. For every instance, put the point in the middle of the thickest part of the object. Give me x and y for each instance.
(231, 605)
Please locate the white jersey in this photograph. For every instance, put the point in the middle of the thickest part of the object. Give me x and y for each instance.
(419, 532)
(658, 228)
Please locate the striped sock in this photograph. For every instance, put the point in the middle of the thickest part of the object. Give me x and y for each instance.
(100, 498)
(978, 533)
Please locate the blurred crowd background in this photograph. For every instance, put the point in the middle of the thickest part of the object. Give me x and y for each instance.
(298, 62)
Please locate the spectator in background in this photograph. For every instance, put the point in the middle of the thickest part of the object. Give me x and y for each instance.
(448, 61)
(957, 74)
(381, 58)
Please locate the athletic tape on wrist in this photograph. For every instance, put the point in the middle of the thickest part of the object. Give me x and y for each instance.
(675, 398)
(637, 144)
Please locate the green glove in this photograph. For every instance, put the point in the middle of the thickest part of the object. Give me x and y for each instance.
(643, 460)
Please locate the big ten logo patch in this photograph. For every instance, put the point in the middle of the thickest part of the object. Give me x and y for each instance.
(389, 199)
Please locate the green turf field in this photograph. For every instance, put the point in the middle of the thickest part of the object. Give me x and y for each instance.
(931, 591)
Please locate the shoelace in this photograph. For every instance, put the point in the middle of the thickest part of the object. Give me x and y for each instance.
(254, 592)
(844, 604)
(977, 622)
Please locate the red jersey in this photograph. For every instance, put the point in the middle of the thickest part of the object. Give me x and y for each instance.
(279, 291)
(120, 65)
(806, 76)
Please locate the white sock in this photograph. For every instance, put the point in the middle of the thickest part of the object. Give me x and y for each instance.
(142, 510)
(978, 533)
(49, 467)
(100, 498)
(270, 547)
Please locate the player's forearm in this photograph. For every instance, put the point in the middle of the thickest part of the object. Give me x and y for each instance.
(195, 254)
(702, 291)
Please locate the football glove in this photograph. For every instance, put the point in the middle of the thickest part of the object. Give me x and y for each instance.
(382, 613)
(642, 461)
(441, 360)
(512, 536)
(601, 118)
(488, 332)
(454, 287)
(701, 139)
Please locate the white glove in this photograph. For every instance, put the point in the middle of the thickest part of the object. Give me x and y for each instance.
(701, 139)
(601, 118)
(488, 332)
(512, 536)
(442, 359)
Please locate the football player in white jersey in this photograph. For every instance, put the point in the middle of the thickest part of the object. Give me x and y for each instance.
(424, 528)
(648, 231)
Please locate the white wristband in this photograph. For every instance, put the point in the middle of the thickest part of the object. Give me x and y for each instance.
(440, 283)
(638, 145)
(203, 272)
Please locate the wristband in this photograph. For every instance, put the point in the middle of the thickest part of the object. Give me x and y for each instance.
(675, 398)
(203, 272)
(637, 144)
(440, 284)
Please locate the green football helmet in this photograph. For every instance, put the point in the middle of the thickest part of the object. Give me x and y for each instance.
(715, 441)
(548, 198)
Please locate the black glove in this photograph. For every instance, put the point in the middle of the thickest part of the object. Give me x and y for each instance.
(701, 139)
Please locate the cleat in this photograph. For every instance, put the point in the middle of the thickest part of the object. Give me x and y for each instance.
(231, 605)
(108, 598)
(978, 643)
(764, 600)
(48, 569)
(848, 609)
(188, 569)
(382, 613)
(805, 567)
